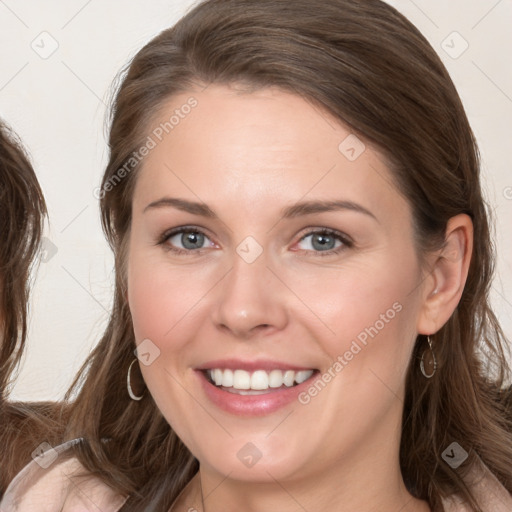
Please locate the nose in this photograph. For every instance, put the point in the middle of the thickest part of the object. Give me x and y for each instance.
(250, 300)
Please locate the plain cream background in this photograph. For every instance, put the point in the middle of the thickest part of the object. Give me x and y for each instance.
(57, 105)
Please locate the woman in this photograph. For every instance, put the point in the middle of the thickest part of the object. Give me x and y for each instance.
(302, 265)
(22, 214)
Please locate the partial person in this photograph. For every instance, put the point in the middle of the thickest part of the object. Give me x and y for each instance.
(22, 216)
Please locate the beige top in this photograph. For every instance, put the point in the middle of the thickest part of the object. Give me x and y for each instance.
(51, 484)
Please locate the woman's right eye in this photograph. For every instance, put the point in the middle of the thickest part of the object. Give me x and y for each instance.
(186, 240)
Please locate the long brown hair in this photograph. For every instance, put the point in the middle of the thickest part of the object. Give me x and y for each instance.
(365, 64)
(22, 215)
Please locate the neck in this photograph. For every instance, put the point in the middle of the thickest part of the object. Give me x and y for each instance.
(352, 487)
(366, 477)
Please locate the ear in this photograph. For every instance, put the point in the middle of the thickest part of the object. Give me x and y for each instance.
(448, 273)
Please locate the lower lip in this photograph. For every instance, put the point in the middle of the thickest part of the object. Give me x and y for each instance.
(252, 405)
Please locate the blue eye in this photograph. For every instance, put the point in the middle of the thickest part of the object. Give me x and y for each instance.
(325, 241)
(186, 240)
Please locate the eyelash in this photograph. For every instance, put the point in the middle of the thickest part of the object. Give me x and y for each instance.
(344, 239)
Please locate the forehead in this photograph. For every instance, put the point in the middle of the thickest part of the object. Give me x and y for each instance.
(236, 148)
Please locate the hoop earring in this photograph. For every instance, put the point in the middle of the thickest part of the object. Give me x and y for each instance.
(431, 363)
(133, 396)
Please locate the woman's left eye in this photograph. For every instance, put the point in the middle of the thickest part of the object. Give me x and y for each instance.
(323, 241)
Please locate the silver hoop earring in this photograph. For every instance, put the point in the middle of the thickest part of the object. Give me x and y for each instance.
(133, 396)
(431, 362)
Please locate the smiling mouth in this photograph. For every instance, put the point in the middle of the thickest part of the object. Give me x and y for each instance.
(259, 382)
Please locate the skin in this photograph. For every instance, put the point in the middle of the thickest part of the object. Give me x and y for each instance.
(248, 156)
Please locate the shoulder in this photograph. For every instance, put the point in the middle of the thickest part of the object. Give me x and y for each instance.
(491, 495)
(22, 427)
(56, 482)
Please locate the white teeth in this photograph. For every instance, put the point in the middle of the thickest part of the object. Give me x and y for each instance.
(275, 379)
(217, 376)
(288, 378)
(227, 378)
(241, 379)
(303, 375)
(258, 380)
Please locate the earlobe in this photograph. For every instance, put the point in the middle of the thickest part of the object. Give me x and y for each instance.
(448, 275)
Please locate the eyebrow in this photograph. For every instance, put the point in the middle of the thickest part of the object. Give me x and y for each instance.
(192, 207)
(296, 210)
(309, 207)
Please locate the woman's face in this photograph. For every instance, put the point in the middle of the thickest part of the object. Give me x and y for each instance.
(268, 246)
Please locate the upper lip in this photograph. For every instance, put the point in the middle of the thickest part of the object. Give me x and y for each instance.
(251, 366)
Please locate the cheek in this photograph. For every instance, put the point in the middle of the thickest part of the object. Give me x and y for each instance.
(149, 303)
(371, 299)
(160, 305)
(166, 308)
(373, 318)
(371, 313)
(160, 297)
